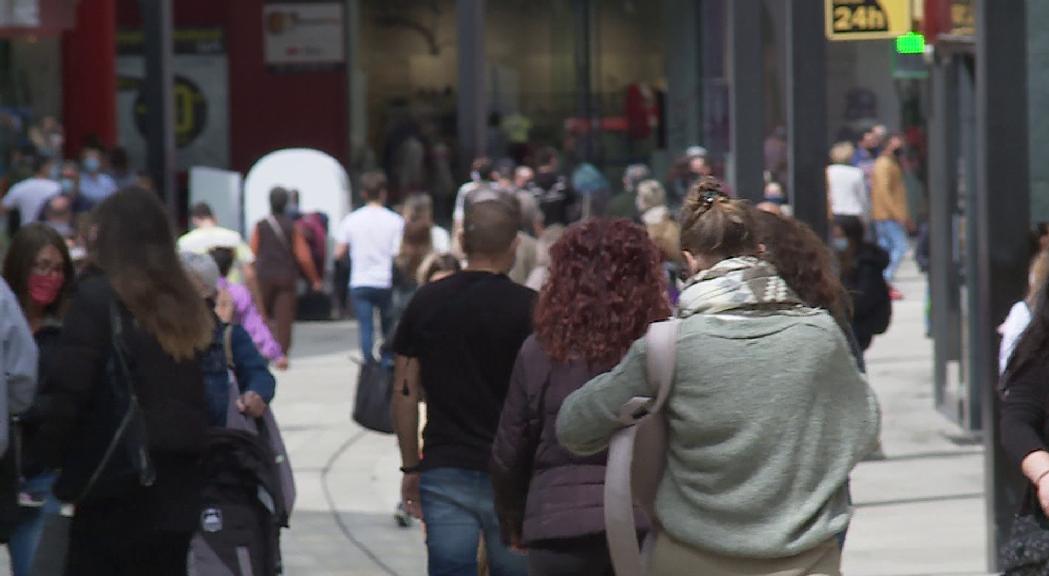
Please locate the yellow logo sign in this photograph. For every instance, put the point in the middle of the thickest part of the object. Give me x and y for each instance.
(868, 19)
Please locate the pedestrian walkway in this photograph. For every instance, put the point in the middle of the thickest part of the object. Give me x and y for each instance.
(919, 512)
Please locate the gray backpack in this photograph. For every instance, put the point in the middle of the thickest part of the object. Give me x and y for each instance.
(637, 455)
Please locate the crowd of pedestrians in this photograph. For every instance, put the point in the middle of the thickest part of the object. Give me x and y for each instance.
(519, 332)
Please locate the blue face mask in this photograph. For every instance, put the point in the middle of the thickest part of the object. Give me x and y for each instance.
(67, 185)
(839, 244)
(92, 164)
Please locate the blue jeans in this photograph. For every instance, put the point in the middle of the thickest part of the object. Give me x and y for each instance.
(458, 507)
(26, 537)
(365, 301)
(892, 237)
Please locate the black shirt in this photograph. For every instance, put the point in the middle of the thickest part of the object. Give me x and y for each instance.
(1024, 422)
(465, 332)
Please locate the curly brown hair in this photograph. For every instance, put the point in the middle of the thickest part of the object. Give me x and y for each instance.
(804, 261)
(606, 286)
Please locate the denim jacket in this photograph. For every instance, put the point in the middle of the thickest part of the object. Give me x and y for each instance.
(249, 368)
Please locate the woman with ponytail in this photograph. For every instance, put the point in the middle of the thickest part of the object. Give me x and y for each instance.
(768, 412)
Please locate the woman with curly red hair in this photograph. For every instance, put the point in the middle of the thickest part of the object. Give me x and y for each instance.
(606, 285)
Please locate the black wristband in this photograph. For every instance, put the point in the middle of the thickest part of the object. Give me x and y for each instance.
(410, 469)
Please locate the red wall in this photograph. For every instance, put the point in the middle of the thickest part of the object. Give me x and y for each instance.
(267, 110)
(89, 81)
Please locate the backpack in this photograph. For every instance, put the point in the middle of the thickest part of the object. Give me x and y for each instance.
(637, 455)
(248, 494)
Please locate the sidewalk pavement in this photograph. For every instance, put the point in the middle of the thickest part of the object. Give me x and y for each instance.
(919, 512)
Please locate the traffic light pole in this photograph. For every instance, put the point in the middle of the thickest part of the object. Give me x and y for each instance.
(160, 99)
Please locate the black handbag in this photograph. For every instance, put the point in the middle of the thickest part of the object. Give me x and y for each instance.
(372, 405)
(1026, 552)
(114, 434)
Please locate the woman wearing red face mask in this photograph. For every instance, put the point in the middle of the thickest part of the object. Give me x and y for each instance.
(40, 273)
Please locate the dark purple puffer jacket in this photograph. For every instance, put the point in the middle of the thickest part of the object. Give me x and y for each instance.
(542, 491)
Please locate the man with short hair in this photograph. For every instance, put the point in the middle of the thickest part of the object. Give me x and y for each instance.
(281, 254)
(371, 235)
(207, 235)
(29, 196)
(456, 345)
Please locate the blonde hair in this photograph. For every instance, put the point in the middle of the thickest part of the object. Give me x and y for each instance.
(1038, 275)
(715, 225)
(650, 194)
(841, 153)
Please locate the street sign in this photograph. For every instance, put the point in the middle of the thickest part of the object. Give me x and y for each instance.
(910, 43)
(867, 19)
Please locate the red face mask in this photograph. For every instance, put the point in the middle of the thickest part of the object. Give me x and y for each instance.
(44, 288)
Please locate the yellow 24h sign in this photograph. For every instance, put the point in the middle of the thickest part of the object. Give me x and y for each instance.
(867, 19)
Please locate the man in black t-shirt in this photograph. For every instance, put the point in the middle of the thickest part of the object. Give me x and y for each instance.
(456, 344)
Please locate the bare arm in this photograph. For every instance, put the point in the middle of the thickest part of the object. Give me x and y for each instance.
(406, 384)
(341, 251)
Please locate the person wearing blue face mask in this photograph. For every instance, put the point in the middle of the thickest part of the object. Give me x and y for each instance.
(95, 185)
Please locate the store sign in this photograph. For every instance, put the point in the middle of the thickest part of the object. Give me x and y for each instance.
(867, 19)
(963, 19)
(303, 35)
(201, 97)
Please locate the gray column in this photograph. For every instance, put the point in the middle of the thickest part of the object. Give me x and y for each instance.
(745, 85)
(943, 203)
(1002, 215)
(160, 98)
(807, 113)
(684, 64)
(1038, 94)
(472, 105)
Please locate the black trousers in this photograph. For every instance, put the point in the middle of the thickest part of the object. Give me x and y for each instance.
(586, 556)
(99, 549)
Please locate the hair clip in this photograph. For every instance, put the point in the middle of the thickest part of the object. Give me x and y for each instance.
(710, 196)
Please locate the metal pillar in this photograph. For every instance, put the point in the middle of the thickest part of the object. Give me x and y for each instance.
(160, 99)
(1003, 215)
(747, 119)
(807, 113)
(472, 105)
(583, 12)
(943, 204)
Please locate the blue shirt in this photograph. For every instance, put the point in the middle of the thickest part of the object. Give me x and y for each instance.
(96, 187)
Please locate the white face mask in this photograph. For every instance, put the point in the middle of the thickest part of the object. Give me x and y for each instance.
(839, 244)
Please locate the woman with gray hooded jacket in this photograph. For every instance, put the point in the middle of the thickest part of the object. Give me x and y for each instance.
(767, 416)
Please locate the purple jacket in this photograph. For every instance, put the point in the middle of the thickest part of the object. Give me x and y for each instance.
(542, 491)
(247, 316)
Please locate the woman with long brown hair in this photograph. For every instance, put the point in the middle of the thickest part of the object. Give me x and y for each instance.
(767, 413)
(129, 397)
(606, 285)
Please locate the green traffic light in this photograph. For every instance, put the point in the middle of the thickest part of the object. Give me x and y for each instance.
(910, 43)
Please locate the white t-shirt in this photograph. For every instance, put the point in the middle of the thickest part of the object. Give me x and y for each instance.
(848, 191)
(440, 240)
(1011, 330)
(30, 195)
(374, 236)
